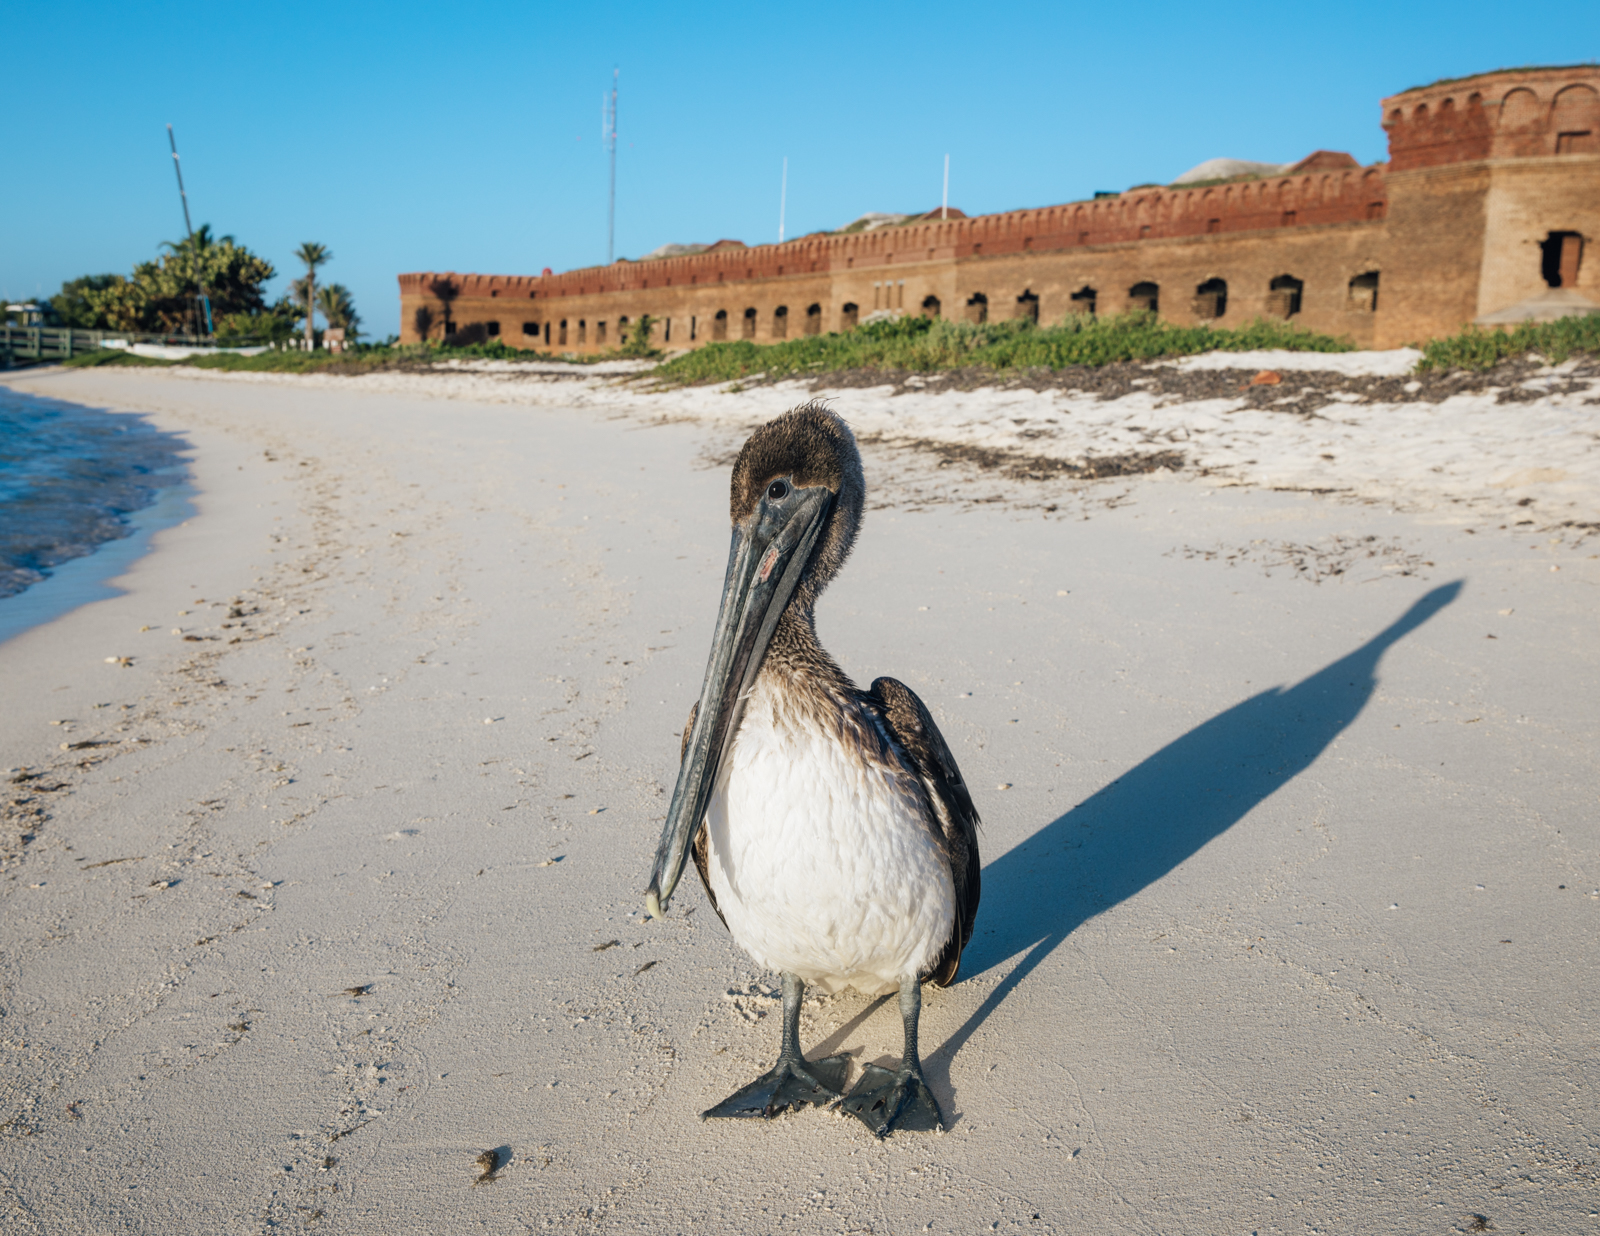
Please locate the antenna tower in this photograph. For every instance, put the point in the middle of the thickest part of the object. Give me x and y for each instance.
(188, 227)
(608, 134)
(783, 197)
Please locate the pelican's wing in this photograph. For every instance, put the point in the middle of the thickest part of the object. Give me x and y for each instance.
(701, 849)
(912, 727)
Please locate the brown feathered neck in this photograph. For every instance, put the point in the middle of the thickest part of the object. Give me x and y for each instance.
(811, 446)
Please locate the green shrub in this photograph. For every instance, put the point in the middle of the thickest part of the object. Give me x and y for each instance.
(637, 345)
(1476, 348)
(924, 345)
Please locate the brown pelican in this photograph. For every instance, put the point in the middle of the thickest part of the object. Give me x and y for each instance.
(830, 825)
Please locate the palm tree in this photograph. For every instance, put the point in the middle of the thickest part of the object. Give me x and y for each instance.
(339, 308)
(193, 253)
(313, 255)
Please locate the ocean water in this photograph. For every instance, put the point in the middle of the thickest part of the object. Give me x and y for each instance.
(81, 491)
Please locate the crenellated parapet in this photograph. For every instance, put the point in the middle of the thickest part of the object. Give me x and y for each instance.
(1326, 187)
(1511, 114)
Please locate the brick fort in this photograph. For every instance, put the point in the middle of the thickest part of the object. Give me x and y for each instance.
(1484, 211)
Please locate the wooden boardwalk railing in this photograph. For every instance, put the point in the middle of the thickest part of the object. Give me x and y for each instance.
(49, 342)
(46, 343)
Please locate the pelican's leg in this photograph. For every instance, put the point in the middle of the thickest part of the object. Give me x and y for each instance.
(883, 1100)
(793, 1081)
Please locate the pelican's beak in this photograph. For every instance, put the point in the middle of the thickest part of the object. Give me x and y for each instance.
(769, 553)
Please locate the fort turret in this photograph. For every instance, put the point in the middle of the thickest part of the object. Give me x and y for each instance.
(1494, 191)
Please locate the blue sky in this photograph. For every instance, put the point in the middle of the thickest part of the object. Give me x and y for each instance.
(467, 137)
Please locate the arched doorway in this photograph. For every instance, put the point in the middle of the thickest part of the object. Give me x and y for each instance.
(849, 315)
(1144, 298)
(813, 319)
(719, 325)
(1027, 307)
(930, 306)
(1083, 301)
(1559, 254)
(749, 324)
(977, 307)
(780, 322)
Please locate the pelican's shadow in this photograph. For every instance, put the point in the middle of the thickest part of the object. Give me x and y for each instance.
(1134, 831)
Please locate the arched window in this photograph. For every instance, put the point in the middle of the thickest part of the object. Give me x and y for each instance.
(1283, 296)
(1144, 298)
(719, 325)
(1521, 128)
(813, 319)
(749, 324)
(849, 315)
(1083, 300)
(1363, 295)
(1211, 299)
(1575, 116)
(977, 307)
(780, 322)
(930, 306)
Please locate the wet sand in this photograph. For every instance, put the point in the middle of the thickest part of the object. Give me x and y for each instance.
(1291, 887)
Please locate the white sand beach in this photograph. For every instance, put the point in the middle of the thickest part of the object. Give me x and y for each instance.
(326, 839)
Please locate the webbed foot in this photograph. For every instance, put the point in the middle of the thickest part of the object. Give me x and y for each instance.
(883, 1101)
(790, 1083)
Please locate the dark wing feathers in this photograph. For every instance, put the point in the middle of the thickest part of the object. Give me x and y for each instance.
(912, 727)
(701, 847)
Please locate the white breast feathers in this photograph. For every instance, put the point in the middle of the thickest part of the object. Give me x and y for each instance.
(825, 858)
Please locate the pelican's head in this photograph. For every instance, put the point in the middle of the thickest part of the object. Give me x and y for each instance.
(808, 455)
(795, 503)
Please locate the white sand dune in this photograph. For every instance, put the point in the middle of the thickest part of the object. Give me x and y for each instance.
(1393, 363)
(1470, 454)
(1292, 890)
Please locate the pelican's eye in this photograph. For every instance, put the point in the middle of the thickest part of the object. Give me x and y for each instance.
(778, 490)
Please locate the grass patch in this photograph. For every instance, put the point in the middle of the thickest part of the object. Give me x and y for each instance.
(411, 355)
(1476, 348)
(353, 360)
(924, 345)
(113, 356)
